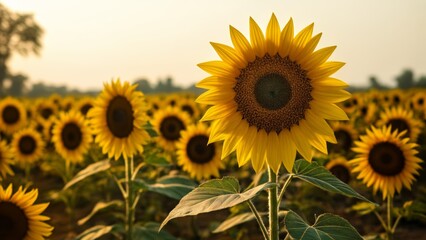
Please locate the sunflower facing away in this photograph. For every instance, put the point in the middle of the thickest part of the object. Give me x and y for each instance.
(117, 119)
(402, 120)
(199, 159)
(386, 160)
(340, 168)
(345, 134)
(27, 146)
(71, 136)
(13, 115)
(5, 160)
(169, 123)
(271, 96)
(20, 218)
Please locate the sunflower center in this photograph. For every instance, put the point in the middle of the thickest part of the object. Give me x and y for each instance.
(27, 145)
(273, 93)
(387, 159)
(198, 151)
(170, 128)
(188, 109)
(400, 125)
(341, 173)
(10, 115)
(344, 140)
(420, 101)
(85, 108)
(364, 111)
(13, 221)
(46, 113)
(120, 117)
(71, 136)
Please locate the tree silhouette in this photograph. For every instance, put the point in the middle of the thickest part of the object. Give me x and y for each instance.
(405, 80)
(17, 86)
(18, 33)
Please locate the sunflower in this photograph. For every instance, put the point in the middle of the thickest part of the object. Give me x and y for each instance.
(271, 97)
(169, 123)
(200, 159)
(71, 136)
(27, 146)
(418, 101)
(20, 218)
(13, 115)
(402, 120)
(340, 168)
(367, 112)
(386, 160)
(117, 118)
(345, 135)
(188, 105)
(5, 160)
(46, 109)
(84, 105)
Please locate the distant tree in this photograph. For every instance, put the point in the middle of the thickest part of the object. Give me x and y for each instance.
(143, 85)
(405, 80)
(374, 83)
(421, 82)
(17, 85)
(18, 33)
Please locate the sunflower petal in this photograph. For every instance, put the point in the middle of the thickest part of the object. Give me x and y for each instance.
(257, 39)
(273, 36)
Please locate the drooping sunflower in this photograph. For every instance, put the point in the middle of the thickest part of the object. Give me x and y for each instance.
(345, 136)
(169, 123)
(71, 136)
(13, 115)
(20, 218)
(340, 168)
(200, 159)
(386, 160)
(402, 120)
(271, 96)
(117, 119)
(27, 146)
(5, 160)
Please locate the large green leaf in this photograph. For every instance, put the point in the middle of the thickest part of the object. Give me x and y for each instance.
(213, 195)
(99, 207)
(157, 160)
(171, 186)
(88, 171)
(95, 232)
(322, 178)
(326, 227)
(150, 231)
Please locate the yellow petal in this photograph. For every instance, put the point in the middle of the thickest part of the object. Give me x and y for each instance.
(219, 111)
(216, 82)
(219, 68)
(310, 47)
(302, 145)
(317, 58)
(300, 41)
(258, 151)
(229, 55)
(286, 39)
(325, 70)
(273, 33)
(212, 97)
(241, 44)
(257, 39)
(288, 150)
(272, 152)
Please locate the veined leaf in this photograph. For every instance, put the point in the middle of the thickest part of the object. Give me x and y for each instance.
(97, 208)
(326, 227)
(95, 232)
(88, 171)
(150, 231)
(322, 178)
(171, 186)
(213, 195)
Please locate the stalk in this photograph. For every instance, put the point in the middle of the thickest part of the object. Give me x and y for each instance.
(273, 206)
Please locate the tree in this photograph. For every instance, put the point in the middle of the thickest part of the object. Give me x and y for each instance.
(17, 85)
(421, 82)
(18, 33)
(405, 80)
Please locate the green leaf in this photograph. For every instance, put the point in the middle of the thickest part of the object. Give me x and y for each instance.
(150, 130)
(213, 195)
(95, 232)
(174, 187)
(155, 159)
(88, 171)
(97, 208)
(364, 208)
(150, 231)
(326, 227)
(322, 178)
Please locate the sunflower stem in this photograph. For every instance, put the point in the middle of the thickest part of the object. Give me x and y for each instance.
(259, 220)
(128, 165)
(286, 184)
(380, 220)
(389, 231)
(273, 206)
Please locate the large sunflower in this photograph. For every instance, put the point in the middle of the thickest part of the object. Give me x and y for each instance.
(71, 136)
(117, 119)
(27, 146)
(20, 218)
(169, 123)
(386, 160)
(5, 160)
(271, 96)
(200, 159)
(13, 115)
(402, 120)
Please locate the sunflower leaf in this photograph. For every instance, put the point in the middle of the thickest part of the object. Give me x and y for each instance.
(171, 186)
(322, 178)
(150, 231)
(89, 171)
(326, 227)
(150, 130)
(97, 231)
(213, 195)
(99, 207)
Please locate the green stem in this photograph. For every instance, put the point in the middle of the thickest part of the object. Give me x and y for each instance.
(128, 165)
(396, 223)
(381, 220)
(286, 184)
(259, 220)
(389, 232)
(273, 206)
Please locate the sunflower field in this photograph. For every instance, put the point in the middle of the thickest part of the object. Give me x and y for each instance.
(274, 148)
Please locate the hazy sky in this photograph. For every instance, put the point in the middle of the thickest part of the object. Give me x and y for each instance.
(90, 42)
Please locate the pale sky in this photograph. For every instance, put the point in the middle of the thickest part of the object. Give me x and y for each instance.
(88, 42)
